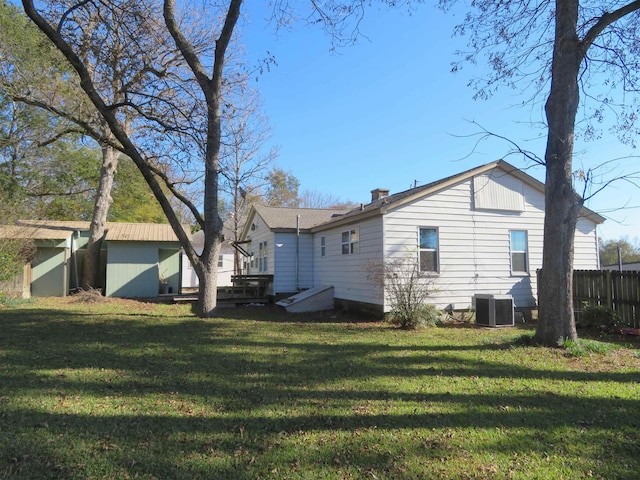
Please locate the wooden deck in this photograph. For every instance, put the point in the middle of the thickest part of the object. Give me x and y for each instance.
(223, 302)
(246, 289)
(252, 285)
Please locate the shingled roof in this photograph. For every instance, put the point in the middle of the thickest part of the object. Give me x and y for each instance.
(283, 218)
(382, 205)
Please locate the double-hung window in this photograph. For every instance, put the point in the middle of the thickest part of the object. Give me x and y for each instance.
(323, 246)
(350, 242)
(519, 252)
(428, 249)
(262, 256)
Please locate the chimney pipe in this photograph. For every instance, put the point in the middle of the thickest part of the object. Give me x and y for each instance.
(379, 193)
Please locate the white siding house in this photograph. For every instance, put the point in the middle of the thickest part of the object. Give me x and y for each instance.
(478, 232)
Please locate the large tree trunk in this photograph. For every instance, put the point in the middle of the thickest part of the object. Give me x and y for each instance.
(208, 277)
(99, 219)
(556, 322)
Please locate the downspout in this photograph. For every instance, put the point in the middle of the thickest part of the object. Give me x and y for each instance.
(298, 252)
(74, 258)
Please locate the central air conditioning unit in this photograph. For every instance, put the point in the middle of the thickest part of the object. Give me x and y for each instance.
(494, 310)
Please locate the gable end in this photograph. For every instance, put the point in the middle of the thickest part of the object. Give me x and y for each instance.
(497, 190)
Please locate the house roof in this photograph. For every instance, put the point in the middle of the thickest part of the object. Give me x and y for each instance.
(116, 231)
(396, 200)
(284, 218)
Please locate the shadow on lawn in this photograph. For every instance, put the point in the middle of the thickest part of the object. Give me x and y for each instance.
(224, 378)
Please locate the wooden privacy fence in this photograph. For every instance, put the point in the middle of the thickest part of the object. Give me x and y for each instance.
(619, 291)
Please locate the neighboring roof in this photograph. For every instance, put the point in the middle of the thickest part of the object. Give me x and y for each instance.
(626, 267)
(383, 205)
(284, 218)
(33, 232)
(116, 231)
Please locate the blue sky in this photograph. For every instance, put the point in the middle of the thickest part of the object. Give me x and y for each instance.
(387, 112)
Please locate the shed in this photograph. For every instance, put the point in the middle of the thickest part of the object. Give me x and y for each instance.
(53, 270)
(140, 259)
(135, 258)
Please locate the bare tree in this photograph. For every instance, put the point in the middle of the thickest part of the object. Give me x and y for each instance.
(571, 47)
(163, 100)
(245, 162)
(317, 199)
(102, 37)
(281, 189)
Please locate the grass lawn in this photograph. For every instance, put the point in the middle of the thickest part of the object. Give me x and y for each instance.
(120, 389)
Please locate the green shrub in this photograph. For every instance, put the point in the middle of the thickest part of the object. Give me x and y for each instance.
(407, 290)
(597, 317)
(418, 316)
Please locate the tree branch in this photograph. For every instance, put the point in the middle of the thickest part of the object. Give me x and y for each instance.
(129, 148)
(85, 126)
(604, 21)
(185, 47)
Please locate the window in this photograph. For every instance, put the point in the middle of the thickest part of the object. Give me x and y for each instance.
(519, 260)
(350, 242)
(262, 256)
(323, 246)
(264, 262)
(428, 249)
(220, 262)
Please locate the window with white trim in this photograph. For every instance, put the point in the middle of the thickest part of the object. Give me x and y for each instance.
(265, 251)
(428, 249)
(350, 242)
(262, 256)
(220, 261)
(323, 246)
(519, 252)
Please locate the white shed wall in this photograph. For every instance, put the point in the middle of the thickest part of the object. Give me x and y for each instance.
(190, 278)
